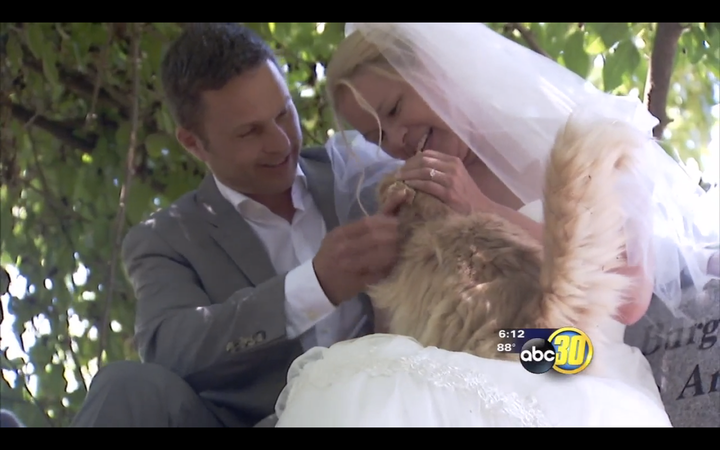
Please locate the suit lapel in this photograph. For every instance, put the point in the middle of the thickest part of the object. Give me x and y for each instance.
(233, 234)
(238, 239)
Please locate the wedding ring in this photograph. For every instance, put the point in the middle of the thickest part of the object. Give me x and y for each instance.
(432, 173)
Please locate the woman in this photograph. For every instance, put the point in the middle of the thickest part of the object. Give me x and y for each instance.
(485, 111)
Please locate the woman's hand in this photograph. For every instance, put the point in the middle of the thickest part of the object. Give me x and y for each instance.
(446, 178)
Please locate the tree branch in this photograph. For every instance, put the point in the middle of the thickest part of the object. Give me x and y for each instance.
(529, 38)
(101, 68)
(662, 60)
(57, 129)
(48, 194)
(65, 134)
(129, 174)
(79, 84)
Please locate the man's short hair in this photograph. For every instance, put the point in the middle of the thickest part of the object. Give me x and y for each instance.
(206, 57)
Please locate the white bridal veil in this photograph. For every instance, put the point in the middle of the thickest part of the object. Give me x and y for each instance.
(507, 103)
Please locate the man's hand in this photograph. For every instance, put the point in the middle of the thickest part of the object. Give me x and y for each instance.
(359, 254)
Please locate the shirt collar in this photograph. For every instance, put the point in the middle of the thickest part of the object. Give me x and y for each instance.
(253, 210)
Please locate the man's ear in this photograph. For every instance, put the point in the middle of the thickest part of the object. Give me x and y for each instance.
(191, 142)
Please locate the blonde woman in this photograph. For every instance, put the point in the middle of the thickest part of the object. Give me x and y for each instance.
(470, 117)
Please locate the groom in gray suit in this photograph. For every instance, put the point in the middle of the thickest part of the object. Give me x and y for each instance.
(238, 278)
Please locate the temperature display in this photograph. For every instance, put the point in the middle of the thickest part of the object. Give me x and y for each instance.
(506, 348)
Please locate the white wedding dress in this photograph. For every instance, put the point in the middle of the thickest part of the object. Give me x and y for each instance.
(392, 381)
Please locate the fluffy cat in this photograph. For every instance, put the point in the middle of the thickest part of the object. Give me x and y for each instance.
(461, 278)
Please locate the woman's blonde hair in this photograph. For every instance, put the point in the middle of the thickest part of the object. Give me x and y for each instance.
(353, 54)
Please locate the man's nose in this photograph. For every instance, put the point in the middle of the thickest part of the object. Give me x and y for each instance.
(277, 140)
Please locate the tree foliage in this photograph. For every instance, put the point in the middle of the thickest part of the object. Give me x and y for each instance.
(71, 100)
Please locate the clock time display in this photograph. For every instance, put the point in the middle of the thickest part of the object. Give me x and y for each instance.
(511, 334)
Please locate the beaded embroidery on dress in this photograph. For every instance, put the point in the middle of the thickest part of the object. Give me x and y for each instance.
(393, 381)
(507, 407)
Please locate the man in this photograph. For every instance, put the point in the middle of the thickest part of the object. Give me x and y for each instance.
(237, 279)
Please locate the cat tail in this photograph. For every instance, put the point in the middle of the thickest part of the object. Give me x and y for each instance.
(584, 238)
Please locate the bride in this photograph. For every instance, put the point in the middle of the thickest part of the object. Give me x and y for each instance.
(488, 111)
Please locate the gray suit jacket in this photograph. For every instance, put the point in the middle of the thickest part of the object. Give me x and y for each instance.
(210, 306)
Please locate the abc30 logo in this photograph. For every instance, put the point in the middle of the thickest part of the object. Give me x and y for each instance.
(568, 351)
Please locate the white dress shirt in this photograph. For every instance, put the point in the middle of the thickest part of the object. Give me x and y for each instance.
(291, 248)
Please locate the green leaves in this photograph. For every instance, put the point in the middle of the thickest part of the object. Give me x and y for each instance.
(622, 61)
(49, 61)
(700, 43)
(157, 142)
(122, 136)
(610, 33)
(6, 215)
(43, 49)
(139, 203)
(555, 34)
(36, 39)
(575, 56)
(152, 45)
(693, 45)
(14, 53)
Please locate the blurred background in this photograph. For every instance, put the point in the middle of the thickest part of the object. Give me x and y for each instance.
(70, 98)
